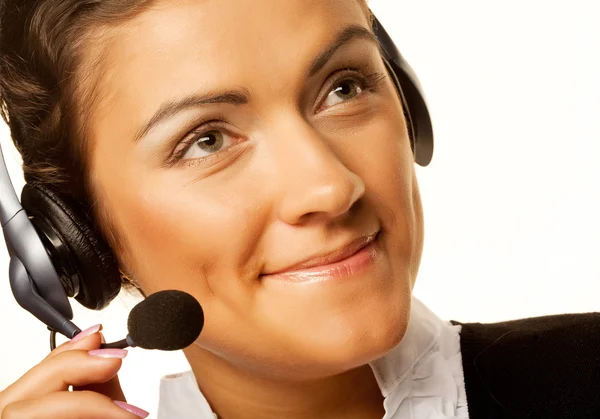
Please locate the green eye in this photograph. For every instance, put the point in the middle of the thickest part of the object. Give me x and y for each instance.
(345, 90)
(211, 141)
(207, 143)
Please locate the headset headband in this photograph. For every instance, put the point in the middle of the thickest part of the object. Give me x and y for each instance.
(33, 278)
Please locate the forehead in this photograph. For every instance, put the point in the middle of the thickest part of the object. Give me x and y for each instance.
(178, 48)
(214, 33)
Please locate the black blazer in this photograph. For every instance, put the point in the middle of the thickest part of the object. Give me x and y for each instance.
(538, 368)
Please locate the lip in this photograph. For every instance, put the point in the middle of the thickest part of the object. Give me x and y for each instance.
(342, 262)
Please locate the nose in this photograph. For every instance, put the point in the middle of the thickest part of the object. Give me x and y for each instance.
(314, 183)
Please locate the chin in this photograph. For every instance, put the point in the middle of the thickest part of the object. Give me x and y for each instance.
(345, 344)
(376, 337)
(325, 328)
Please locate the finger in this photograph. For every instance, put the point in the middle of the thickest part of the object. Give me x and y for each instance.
(71, 405)
(88, 339)
(111, 389)
(75, 367)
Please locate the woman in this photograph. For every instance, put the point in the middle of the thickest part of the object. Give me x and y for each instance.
(211, 127)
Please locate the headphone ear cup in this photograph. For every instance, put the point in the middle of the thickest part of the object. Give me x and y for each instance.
(411, 93)
(417, 110)
(80, 253)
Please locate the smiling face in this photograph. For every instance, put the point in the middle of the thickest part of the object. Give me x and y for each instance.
(234, 139)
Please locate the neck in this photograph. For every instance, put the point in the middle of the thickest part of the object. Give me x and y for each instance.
(240, 394)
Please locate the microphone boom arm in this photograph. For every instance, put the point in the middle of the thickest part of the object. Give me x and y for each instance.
(121, 344)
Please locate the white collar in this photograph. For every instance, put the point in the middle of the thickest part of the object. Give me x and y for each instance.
(422, 377)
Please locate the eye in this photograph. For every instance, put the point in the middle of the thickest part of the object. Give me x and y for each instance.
(342, 91)
(207, 143)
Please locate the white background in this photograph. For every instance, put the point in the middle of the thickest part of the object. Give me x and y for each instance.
(512, 198)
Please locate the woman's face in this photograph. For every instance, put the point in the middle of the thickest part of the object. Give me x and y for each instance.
(234, 139)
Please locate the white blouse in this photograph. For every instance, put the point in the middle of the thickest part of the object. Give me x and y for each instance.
(421, 378)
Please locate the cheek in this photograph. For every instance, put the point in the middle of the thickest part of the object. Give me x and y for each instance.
(419, 228)
(388, 170)
(182, 237)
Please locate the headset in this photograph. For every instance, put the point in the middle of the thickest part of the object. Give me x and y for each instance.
(56, 254)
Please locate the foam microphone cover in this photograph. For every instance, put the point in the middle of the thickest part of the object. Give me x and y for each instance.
(167, 320)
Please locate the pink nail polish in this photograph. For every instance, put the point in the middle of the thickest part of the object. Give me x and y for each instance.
(108, 353)
(132, 409)
(87, 332)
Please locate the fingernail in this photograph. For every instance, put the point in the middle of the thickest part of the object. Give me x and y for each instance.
(108, 353)
(87, 332)
(102, 338)
(132, 409)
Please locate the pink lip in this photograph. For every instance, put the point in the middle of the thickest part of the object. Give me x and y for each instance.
(349, 261)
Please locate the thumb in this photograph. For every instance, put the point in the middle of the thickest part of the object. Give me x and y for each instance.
(110, 388)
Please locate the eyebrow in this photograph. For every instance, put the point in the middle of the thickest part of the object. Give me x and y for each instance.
(350, 33)
(169, 109)
(242, 96)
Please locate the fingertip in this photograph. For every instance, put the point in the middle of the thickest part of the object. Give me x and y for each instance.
(89, 342)
(87, 332)
(109, 353)
(132, 409)
(85, 341)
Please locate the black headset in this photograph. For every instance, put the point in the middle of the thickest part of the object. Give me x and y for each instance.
(56, 253)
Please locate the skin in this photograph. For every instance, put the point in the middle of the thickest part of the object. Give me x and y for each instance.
(302, 172)
(42, 393)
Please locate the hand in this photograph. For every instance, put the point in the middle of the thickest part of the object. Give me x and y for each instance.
(43, 392)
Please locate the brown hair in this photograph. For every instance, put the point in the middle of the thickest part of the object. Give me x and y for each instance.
(43, 91)
(41, 44)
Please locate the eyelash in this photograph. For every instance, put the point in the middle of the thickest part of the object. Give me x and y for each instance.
(362, 74)
(203, 128)
(366, 80)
